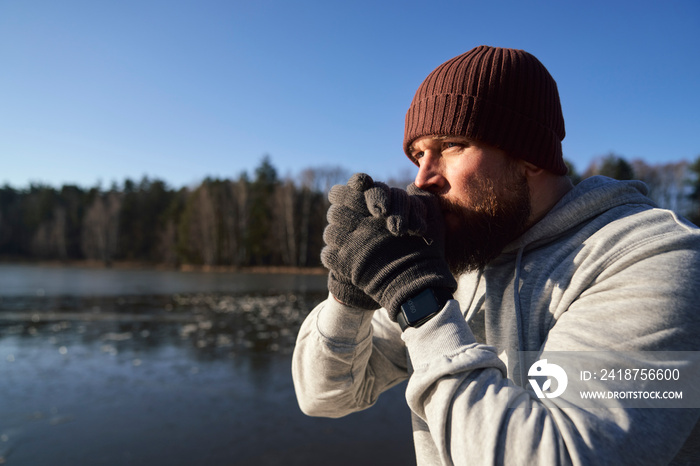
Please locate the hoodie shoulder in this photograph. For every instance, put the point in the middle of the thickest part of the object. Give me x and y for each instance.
(597, 194)
(589, 199)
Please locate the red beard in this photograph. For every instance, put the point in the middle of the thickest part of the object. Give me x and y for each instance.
(497, 213)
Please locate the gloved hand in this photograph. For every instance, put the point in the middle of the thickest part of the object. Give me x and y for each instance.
(351, 196)
(388, 248)
(405, 214)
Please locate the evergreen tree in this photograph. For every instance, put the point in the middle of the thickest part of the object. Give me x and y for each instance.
(141, 218)
(10, 221)
(616, 167)
(259, 237)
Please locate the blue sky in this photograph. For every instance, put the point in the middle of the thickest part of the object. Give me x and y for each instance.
(98, 91)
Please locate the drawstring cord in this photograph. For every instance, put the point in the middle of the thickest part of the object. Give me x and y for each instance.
(471, 300)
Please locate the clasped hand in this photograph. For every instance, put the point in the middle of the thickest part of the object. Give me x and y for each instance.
(383, 245)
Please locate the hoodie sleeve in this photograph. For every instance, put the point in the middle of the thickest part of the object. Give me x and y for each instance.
(345, 358)
(641, 299)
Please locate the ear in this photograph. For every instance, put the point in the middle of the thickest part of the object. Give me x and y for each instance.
(531, 170)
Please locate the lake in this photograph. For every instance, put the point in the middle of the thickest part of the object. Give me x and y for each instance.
(151, 367)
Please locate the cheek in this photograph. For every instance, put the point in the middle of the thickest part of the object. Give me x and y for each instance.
(464, 189)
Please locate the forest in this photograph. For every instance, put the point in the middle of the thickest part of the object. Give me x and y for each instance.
(259, 219)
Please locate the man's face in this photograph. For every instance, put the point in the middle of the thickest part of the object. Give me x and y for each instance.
(483, 192)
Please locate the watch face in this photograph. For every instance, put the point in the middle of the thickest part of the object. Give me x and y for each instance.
(420, 307)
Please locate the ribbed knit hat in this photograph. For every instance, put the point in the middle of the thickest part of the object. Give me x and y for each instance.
(503, 97)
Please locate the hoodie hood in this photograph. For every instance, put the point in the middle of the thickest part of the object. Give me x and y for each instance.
(590, 198)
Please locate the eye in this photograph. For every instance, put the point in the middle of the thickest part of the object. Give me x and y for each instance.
(418, 155)
(455, 146)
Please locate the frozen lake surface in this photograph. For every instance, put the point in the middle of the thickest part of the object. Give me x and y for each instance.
(161, 367)
(31, 280)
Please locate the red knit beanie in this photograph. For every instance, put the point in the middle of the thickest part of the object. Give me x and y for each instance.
(503, 97)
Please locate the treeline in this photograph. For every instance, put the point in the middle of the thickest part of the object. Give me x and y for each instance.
(674, 185)
(254, 220)
(258, 220)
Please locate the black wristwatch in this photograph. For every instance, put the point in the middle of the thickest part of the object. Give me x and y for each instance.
(422, 307)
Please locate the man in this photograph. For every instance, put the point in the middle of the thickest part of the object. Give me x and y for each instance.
(541, 266)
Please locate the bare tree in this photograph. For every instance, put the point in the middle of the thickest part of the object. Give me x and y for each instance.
(284, 222)
(239, 220)
(205, 224)
(167, 243)
(100, 230)
(668, 183)
(49, 240)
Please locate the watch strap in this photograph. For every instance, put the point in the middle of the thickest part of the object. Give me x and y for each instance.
(422, 307)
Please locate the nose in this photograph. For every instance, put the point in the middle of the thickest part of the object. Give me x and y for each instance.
(429, 177)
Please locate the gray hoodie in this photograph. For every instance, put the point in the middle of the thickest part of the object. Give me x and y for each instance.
(604, 270)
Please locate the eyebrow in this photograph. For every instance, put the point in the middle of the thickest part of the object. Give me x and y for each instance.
(411, 148)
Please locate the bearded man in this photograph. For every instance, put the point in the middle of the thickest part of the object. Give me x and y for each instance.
(491, 256)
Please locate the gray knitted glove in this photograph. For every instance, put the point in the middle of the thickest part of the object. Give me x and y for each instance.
(390, 248)
(352, 197)
(405, 214)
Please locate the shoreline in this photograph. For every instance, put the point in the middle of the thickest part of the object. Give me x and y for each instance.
(131, 265)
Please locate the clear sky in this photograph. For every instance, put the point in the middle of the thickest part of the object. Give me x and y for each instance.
(98, 91)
